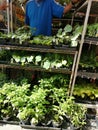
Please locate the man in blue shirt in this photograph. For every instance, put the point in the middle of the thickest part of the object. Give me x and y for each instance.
(39, 14)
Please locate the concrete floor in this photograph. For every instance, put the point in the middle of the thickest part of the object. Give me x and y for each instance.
(12, 127)
(9, 127)
(17, 127)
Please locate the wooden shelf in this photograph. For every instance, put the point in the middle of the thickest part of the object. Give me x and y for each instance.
(35, 68)
(63, 51)
(87, 75)
(93, 106)
(91, 41)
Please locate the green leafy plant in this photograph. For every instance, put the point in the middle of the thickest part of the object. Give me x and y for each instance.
(92, 30)
(38, 59)
(88, 61)
(70, 111)
(3, 78)
(37, 103)
(6, 109)
(13, 97)
(22, 34)
(24, 113)
(41, 40)
(46, 61)
(48, 97)
(75, 112)
(86, 91)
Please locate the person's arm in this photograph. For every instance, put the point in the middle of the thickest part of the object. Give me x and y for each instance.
(70, 5)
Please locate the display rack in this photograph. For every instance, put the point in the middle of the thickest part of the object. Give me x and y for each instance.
(88, 5)
(70, 51)
(91, 7)
(88, 9)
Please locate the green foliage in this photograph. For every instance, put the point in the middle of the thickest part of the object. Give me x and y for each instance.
(92, 30)
(46, 61)
(68, 36)
(13, 97)
(64, 36)
(88, 58)
(86, 91)
(48, 97)
(75, 112)
(3, 78)
(5, 55)
(42, 40)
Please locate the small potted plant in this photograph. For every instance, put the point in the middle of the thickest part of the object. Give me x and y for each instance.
(24, 115)
(76, 113)
(57, 116)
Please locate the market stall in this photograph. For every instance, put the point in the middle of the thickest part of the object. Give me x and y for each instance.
(47, 79)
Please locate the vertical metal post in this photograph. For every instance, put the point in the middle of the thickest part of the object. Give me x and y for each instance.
(72, 18)
(72, 70)
(81, 43)
(96, 118)
(8, 16)
(11, 10)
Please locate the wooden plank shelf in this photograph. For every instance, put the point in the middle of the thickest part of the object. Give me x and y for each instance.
(35, 68)
(93, 106)
(63, 51)
(87, 75)
(93, 41)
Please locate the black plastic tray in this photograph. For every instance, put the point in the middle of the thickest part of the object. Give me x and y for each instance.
(91, 38)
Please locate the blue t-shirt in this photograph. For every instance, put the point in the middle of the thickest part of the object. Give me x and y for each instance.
(39, 15)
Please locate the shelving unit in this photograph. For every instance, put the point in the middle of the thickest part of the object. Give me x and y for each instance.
(70, 72)
(91, 9)
(88, 7)
(70, 51)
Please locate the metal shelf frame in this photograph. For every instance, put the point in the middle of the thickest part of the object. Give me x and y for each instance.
(93, 11)
(88, 9)
(69, 51)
